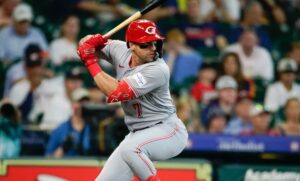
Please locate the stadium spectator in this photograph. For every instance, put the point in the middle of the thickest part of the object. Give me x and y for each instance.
(242, 120)
(227, 96)
(260, 119)
(16, 37)
(96, 96)
(252, 20)
(10, 131)
(256, 61)
(217, 120)
(72, 138)
(106, 11)
(294, 13)
(294, 53)
(291, 125)
(227, 11)
(109, 11)
(17, 71)
(187, 111)
(181, 58)
(45, 101)
(64, 48)
(6, 10)
(168, 10)
(203, 89)
(280, 32)
(199, 32)
(107, 129)
(231, 65)
(279, 92)
(21, 93)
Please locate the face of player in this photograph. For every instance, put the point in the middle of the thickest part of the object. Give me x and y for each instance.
(145, 52)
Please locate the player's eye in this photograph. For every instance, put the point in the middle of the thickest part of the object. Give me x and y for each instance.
(147, 45)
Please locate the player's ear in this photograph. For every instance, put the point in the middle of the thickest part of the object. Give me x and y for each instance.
(130, 45)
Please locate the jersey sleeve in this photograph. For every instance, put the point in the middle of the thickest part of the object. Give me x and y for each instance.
(147, 80)
(114, 51)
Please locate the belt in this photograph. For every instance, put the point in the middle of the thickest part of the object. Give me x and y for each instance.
(135, 130)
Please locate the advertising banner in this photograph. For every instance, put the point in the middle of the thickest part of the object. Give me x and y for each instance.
(259, 144)
(87, 170)
(258, 173)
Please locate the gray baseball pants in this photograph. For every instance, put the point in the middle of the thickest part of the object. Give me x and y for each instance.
(136, 152)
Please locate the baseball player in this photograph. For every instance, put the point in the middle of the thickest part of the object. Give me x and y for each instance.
(142, 87)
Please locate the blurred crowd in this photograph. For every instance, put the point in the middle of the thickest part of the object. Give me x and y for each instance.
(234, 64)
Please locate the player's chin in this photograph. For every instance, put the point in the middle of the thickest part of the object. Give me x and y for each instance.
(150, 58)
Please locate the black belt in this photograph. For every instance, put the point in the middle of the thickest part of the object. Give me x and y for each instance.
(135, 130)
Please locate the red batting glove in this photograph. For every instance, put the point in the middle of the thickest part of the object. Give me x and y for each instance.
(87, 54)
(97, 41)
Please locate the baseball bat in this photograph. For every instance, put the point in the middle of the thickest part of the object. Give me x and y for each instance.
(151, 5)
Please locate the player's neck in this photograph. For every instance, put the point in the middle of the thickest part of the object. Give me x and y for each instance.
(134, 61)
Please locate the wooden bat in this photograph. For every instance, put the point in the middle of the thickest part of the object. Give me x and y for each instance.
(151, 5)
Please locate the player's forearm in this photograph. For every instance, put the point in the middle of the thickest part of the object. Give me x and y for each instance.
(106, 83)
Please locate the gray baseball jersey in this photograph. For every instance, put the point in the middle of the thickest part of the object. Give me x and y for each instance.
(153, 104)
(150, 84)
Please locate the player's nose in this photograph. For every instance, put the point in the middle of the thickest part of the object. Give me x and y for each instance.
(153, 46)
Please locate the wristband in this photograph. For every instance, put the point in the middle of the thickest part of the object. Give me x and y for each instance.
(94, 69)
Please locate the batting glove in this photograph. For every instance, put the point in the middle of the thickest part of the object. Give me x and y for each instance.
(88, 56)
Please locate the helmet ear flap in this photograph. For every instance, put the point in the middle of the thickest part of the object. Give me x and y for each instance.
(159, 48)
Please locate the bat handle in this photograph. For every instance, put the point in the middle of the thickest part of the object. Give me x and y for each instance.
(135, 16)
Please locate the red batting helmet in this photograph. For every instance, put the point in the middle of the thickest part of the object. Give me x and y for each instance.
(142, 31)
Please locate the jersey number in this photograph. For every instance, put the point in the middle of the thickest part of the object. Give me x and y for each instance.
(138, 108)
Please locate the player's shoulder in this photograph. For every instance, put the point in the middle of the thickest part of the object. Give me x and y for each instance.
(116, 43)
(116, 47)
(161, 64)
(158, 68)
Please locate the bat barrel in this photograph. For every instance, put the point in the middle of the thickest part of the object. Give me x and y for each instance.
(135, 16)
(153, 4)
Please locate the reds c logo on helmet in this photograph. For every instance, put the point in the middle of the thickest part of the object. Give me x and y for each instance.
(151, 30)
(142, 31)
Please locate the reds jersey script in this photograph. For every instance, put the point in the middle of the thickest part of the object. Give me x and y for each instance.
(150, 84)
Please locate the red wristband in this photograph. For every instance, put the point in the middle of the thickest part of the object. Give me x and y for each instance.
(94, 69)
